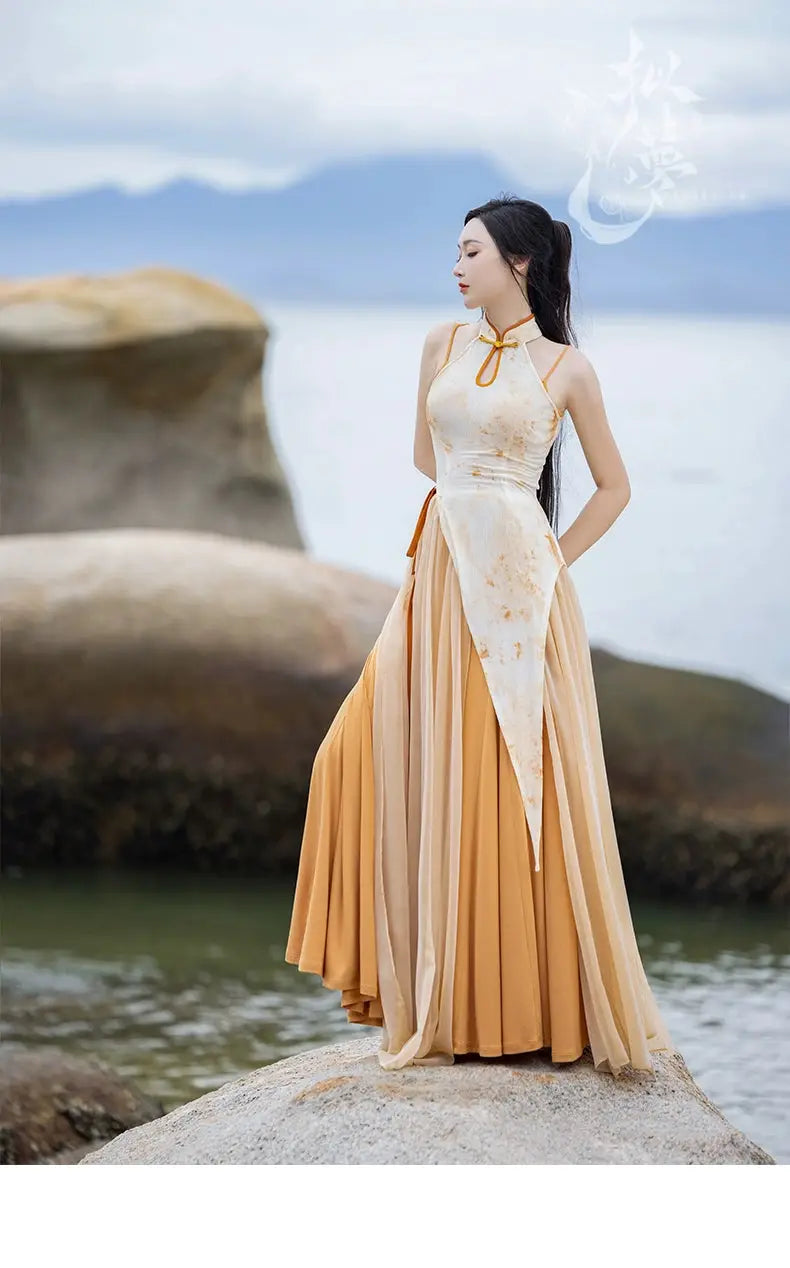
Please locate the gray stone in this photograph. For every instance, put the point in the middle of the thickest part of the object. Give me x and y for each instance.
(135, 400)
(699, 768)
(164, 693)
(336, 1105)
(54, 1105)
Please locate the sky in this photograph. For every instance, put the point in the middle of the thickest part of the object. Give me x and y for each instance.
(692, 96)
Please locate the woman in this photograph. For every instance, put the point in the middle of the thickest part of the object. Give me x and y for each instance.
(459, 880)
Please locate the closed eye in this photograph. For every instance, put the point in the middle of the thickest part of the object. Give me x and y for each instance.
(470, 254)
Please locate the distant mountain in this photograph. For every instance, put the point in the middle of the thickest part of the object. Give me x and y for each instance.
(383, 230)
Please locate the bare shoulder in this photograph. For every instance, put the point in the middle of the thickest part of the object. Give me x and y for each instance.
(437, 344)
(578, 367)
(583, 384)
(438, 336)
(583, 392)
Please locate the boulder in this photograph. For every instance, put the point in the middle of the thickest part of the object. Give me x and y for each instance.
(699, 769)
(135, 400)
(164, 693)
(54, 1106)
(336, 1105)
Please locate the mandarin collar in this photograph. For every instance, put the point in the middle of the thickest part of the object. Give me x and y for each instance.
(523, 331)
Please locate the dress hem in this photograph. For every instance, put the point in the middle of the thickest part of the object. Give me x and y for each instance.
(362, 1020)
(329, 984)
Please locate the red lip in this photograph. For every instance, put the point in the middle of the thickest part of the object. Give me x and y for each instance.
(463, 286)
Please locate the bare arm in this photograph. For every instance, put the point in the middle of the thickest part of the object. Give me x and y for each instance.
(433, 352)
(613, 490)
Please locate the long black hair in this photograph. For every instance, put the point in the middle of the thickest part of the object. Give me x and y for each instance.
(521, 228)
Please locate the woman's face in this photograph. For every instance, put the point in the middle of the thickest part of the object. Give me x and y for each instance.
(483, 276)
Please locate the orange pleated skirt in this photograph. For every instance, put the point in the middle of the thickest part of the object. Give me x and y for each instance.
(516, 982)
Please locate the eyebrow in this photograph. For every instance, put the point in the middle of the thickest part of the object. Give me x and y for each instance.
(466, 241)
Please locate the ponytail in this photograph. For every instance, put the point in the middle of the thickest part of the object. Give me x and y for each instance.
(553, 296)
(521, 230)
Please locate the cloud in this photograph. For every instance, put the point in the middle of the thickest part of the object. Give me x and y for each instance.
(244, 93)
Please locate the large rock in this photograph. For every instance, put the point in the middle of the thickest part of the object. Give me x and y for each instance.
(336, 1105)
(164, 693)
(699, 767)
(134, 400)
(55, 1106)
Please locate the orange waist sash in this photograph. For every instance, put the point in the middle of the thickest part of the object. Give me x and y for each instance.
(419, 525)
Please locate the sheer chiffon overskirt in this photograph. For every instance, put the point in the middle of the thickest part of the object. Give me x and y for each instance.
(416, 895)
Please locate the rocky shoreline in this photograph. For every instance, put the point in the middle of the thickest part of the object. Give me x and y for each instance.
(336, 1106)
(172, 657)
